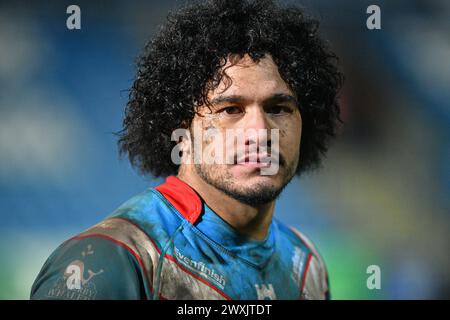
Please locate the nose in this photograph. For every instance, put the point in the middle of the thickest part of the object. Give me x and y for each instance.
(257, 126)
(256, 118)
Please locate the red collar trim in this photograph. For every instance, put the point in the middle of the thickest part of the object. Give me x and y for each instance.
(182, 197)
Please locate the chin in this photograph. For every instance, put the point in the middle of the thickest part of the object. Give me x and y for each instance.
(255, 193)
(244, 185)
(256, 179)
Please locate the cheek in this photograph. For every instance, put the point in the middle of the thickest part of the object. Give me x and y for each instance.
(290, 137)
(290, 131)
(298, 132)
(297, 129)
(209, 135)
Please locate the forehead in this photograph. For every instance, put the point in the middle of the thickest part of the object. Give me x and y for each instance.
(253, 79)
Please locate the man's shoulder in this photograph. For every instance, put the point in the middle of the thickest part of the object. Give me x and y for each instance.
(148, 213)
(125, 245)
(146, 205)
(300, 239)
(315, 276)
(140, 226)
(99, 263)
(296, 237)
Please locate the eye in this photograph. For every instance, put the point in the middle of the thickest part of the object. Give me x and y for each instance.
(279, 110)
(231, 110)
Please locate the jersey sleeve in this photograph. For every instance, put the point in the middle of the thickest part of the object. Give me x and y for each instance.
(315, 283)
(90, 268)
(111, 260)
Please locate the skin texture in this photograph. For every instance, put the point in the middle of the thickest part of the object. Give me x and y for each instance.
(238, 193)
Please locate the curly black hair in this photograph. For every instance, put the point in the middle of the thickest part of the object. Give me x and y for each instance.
(184, 60)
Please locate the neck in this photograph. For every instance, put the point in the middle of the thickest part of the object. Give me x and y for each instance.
(251, 221)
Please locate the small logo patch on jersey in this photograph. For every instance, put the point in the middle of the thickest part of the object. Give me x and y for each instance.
(73, 284)
(75, 275)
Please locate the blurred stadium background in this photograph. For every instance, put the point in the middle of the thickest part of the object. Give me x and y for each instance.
(382, 197)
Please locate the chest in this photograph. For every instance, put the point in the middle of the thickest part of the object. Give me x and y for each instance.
(193, 270)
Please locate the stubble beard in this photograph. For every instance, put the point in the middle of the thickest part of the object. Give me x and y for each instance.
(258, 194)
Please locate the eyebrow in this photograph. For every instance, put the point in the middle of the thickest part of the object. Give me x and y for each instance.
(276, 98)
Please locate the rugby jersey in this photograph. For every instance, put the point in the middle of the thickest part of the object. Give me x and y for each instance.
(167, 243)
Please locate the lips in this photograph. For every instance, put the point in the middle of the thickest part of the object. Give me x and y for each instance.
(256, 160)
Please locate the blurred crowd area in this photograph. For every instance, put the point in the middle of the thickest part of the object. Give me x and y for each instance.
(381, 198)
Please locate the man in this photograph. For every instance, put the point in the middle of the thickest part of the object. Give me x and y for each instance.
(252, 68)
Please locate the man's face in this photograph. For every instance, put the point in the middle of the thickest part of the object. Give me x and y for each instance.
(262, 111)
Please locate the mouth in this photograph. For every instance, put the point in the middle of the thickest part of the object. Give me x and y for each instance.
(256, 161)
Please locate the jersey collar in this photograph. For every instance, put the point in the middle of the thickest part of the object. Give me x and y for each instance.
(182, 197)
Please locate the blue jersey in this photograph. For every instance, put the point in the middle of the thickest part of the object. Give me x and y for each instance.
(166, 243)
